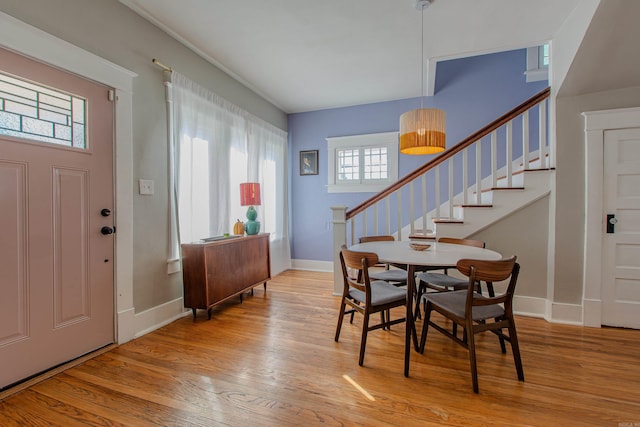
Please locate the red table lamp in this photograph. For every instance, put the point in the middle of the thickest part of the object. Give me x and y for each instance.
(250, 196)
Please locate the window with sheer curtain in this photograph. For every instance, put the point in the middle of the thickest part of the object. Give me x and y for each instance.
(215, 146)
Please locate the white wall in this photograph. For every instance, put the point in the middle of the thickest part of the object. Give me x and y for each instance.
(570, 184)
(524, 234)
(578, 65)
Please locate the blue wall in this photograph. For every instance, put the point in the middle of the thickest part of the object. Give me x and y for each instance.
(473, 92)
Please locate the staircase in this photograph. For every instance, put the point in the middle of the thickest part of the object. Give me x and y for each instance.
(494, 172)
(500, 202)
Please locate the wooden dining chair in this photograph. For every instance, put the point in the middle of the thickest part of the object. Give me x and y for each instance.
(363, 296)
(397, 275)
(442, 282)
(476, 313)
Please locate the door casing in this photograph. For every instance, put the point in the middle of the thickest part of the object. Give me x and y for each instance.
(30, 41)
(596, 123)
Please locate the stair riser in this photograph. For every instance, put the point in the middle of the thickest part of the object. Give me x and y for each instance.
(538, 184)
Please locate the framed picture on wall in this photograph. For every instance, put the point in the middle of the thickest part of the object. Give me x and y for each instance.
(309, 162)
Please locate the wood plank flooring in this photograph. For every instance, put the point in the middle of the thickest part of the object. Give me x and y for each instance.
(272, 361)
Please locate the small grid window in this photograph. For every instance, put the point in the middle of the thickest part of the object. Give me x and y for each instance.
(375, 163)
(538, 63)
(544, 55)
(39, 113)
(362, 163)
(348, 165)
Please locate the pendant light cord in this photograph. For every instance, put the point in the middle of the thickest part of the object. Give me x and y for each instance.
(422, 57)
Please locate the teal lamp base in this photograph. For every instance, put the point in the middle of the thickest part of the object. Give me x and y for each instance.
(252, 227)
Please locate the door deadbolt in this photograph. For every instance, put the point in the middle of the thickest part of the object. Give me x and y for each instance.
(107, 230)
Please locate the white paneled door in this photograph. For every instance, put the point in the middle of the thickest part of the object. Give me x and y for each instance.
(56, 195)
(621, 245)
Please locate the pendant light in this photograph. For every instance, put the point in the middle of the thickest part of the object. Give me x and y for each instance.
(422, 131)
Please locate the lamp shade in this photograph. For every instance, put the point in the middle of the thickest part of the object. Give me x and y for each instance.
(250, 194)
(423, 131)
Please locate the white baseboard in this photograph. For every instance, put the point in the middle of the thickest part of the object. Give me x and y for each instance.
(126, 330)
(553, 312)
(569, 314)
(159, 316)
(592, 313)
(311, 265)
(529, 306)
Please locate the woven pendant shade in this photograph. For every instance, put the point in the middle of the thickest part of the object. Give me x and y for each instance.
(422, 131)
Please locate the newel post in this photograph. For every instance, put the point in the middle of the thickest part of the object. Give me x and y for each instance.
(339, 239)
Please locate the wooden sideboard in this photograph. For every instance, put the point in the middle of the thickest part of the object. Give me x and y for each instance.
(213, 272)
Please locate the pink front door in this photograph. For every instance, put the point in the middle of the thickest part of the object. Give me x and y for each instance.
(56, 177)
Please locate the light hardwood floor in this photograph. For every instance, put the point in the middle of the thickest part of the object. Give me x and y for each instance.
(272, 361)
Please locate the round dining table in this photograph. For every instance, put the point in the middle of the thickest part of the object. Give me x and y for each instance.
(436, 256)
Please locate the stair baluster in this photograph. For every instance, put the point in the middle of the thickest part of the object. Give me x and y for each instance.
(502, 174)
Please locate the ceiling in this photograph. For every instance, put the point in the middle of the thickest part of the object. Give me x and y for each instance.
(304, 55)
(608, 58)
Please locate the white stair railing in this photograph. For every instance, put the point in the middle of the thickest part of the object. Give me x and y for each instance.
(483, 161)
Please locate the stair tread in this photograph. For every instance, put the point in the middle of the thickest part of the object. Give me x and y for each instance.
(538, 169)
(448, 221)
(418, 236)
(476, 206)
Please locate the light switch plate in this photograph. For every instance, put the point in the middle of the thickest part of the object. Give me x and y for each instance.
(146, 186)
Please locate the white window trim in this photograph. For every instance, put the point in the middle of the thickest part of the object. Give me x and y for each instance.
(387, 139)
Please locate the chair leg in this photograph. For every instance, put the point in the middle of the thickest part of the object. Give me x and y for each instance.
(343, 306)
(472, 356)
(382, 319)
(425, 327)
(503, 347)
(363, 341)
(419, 293)
(515, 348)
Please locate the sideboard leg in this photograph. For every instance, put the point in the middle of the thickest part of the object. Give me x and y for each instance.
(209, 313)
(193, 310)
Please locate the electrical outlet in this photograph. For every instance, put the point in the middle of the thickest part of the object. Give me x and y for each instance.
(146, 186)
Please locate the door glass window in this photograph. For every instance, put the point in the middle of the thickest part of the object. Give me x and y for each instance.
(35, 112)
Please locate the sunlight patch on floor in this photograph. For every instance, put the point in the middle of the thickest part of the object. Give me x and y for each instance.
(359, 388)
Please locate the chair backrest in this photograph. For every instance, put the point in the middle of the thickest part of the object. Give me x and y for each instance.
(365, 239)
(381, 238)
(490, 271)
(359, 261)
(468, 242)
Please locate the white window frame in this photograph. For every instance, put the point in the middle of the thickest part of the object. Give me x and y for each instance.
(388, 140)
(536, 70)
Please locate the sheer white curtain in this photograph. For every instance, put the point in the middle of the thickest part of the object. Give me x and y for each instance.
(216, 146)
